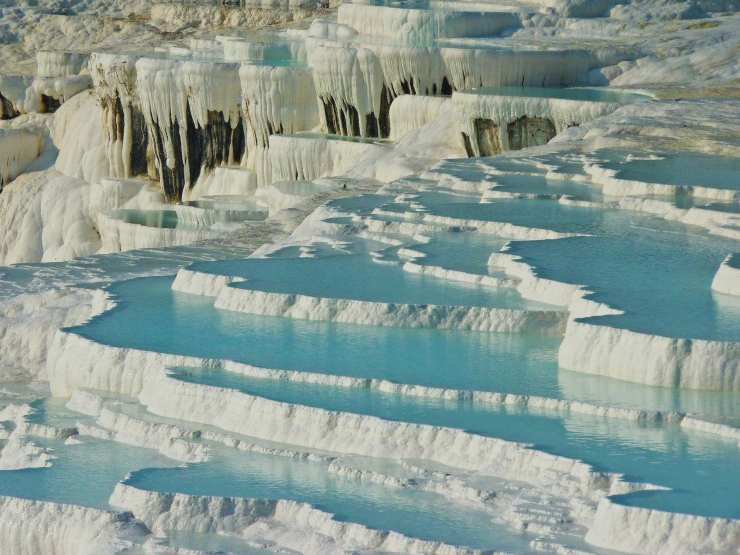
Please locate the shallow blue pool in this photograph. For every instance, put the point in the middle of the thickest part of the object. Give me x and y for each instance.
(540, 185)
(83, 474)
(684, 169)
(86, 474)
(466, 252)
(699, 467)
(658, 271)
(151, 316)
(584, 94)
(358, 277)
(409, 511)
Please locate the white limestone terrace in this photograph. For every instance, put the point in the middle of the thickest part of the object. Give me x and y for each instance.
(511, 118)
(282, 84)
(421, 26)
(133, 370)
(12, 95)
(308, 156)
(59, 76)
(727, 279)
(18, 148)
(706, 362)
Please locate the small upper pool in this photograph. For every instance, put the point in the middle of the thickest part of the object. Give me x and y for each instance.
(200, 214)
(165, 219)
(358, 277)
(584, 94)
(685, 169)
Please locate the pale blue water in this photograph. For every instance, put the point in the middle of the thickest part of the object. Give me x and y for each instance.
(150, 316)
(276, 54)
(86, 474)
(660, 277)
(658, 271)
(684, 168)
(539, 213)
(269, 52)
(361, 204)
(358, 277)
(83, 474)
(102, 269)
(699, 467)
(413, 512)
(569, 93)
(169, 219)
(150, 218)
(563, 162)
(539, 185)
(466, 252)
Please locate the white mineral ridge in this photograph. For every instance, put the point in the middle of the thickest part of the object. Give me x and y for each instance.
(409, 112)
(529, 284)
(222, 181)
(31, 527)
(114, 77)
(621, 353)
(430, 221)
(50, 217)
(66, 375)
(201, 283)
(278, 99)
(79, 137)
(46, 217)
(305, 158)
(18, 453)
(117, 235)
(29, 322)
(456, 275)
(727, 278)
(135, 373)
(649, 531)
(422, 26)
(58, 63)
(13, 90)
(68, 379)
(289, 524)
(322, 28)
(723, 224)
(80, 363)
(18, 148)
(355, 76)
(287, 195)
(650, 359)
(502, 110)
(170, 440)
(617, 187)
(390, 314)
(58, 88)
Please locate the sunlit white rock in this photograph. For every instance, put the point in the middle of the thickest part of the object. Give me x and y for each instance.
(727, 278)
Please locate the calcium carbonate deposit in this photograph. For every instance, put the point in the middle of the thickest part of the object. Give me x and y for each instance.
(369, 276)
